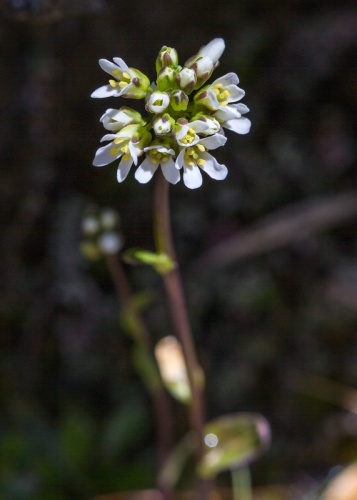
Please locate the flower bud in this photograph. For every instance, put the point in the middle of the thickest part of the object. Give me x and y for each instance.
(167, 57)
(186, 79)
(157, 102)
(165, 79)
(214, 49)
(179, 100)
(162, 125)
(203, 68)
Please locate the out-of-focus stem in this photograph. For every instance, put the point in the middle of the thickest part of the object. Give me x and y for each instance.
(173, 285)
(141, 337)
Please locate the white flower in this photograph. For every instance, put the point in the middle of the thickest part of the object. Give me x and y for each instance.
(116, 119)
(220, 93)
(196, 157)
(128, 82)
(128, 145)
(158, 154)
(231, 118)
(187, 133)
(157, 102)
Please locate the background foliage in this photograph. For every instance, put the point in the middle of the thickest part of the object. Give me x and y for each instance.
(274, 314)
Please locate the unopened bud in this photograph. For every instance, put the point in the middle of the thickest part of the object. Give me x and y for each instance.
(179, 100)
(186, 79)
(167, 57)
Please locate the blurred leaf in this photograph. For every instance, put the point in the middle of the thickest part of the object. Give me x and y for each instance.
(126, 427)
(233, 441)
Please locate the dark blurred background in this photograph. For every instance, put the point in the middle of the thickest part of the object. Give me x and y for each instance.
(268, 256)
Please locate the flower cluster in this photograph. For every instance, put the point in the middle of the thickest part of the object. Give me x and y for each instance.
(178, 132)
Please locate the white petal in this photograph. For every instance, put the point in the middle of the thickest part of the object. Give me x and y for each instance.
(214, 49)
(198, 126)
(135, 152)
(228, 79)
(123, 169)
(225, 113)
(235, 93)
(103, 156)
(105, 91)
(122, 65)
(170, 172)
(107, 66)
(108, 137)
(145, 171)
(192, 177)
(214, 169)
(238, 125)
(180, 159)
(213, 141)
(241, 108)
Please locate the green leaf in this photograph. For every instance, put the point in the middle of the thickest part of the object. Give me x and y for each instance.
(233, 441)
(161, 262)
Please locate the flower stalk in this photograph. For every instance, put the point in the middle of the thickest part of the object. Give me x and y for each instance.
(176, 298)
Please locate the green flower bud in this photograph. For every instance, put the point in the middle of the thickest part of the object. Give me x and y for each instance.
(179, 100)
(167, 57)
(165, 79)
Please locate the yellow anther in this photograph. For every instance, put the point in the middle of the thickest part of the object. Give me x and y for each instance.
(159, 156)
(191, 163)
(201, 162)
(122, 84)
(190, 150)
(116, 72)
(194, 155)
(223, 103)
(113, 83)
(216, 91)
(191, 131)
(224, 94)
(126, 75)
(201, 147)
(218, 86)
(126, 157)
(113, 151)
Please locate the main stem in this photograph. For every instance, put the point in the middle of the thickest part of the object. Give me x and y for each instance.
(173, 285)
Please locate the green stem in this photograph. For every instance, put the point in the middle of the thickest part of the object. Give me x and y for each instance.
(173, 285)
(241, 484)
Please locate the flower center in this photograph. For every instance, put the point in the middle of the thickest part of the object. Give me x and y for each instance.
(189, 137)
(193, 155)
(158, 156)
(123, 146)
(221, 94)
(122, 79)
